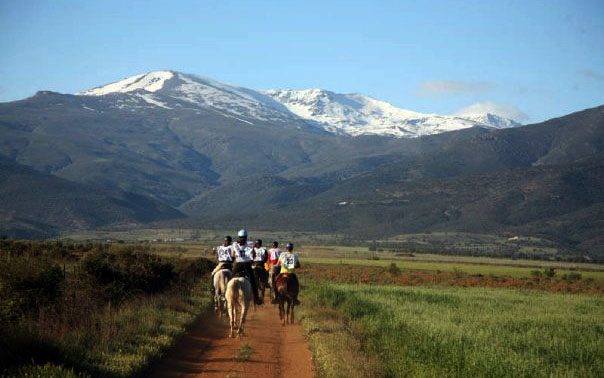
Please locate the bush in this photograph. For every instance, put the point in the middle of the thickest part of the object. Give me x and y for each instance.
(129, 272)
(549, 272)
(536, 273)
(26, 285)
(394, 269)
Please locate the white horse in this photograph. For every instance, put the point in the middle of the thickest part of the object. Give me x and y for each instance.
(221, 279)
(238, 296)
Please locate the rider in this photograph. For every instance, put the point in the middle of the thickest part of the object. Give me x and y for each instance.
(273, 261)
(289, 262)
(243, 251)
(259, 260)
(261, 255)
(225, 259)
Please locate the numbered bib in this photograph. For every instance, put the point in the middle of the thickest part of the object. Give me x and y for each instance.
(259, 254)
(289, 262)
(224, 254)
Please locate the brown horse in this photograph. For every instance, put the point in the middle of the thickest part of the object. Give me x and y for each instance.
(261, 276)
(286, 290)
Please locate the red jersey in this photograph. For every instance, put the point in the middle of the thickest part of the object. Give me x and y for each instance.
(273, 255)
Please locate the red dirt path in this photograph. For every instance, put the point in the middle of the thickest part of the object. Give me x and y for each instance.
(207, 351)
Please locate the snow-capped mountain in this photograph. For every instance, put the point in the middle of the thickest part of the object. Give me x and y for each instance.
(174, 90)
(314, 109)
(357, 114)
(492, 120)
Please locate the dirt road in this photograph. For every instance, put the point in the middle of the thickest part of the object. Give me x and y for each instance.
(207, 351)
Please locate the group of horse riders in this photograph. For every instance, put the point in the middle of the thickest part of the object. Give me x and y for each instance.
(248, 258)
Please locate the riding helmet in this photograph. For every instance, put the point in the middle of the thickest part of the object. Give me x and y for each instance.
(242, 233)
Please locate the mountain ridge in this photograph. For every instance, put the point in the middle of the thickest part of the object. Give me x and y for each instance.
(223, 155)
(347, 114)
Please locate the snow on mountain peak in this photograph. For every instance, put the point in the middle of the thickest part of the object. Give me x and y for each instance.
(150, 82)
(349, 114)
(491, 120)
(357, 114)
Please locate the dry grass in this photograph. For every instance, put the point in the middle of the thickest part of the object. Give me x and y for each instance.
(337, 346)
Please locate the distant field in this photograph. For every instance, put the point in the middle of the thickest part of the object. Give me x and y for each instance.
(453, 332)
(463, 267)
(366, 253)
(443, 243)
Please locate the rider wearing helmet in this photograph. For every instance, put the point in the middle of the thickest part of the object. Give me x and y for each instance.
(289, 262)
(225, 259)
(243, 252)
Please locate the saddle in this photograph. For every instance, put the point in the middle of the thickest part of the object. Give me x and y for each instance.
(241, 274)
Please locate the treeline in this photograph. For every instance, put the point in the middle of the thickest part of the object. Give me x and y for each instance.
(501, 251)
(60, 301)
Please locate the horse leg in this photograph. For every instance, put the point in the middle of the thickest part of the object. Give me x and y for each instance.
(289, 304)
(282, 311)
(244, 309)
(293, 305)
(232, 317)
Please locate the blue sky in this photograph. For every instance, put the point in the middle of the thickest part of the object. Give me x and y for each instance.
(531, 59)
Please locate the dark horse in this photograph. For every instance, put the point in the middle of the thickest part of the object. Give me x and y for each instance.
(261, 276)
(286, 290)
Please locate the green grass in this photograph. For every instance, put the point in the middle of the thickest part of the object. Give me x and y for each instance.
(469, 332)
(336, 345)
(432, 266)
(244, 353)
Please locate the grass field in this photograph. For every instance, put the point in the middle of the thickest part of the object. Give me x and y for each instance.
(454, 332)
(464, 267)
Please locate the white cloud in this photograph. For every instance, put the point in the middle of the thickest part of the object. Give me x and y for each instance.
(452, 88)
(502, 110)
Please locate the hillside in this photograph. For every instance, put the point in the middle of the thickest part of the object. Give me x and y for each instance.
(225, 155)
(38, 205)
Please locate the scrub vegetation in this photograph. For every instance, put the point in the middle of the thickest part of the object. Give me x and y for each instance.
(92, 309)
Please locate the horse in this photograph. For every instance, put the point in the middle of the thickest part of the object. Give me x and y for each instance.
(286, 290)
(221, 279)
(261, 276)
(238, 296)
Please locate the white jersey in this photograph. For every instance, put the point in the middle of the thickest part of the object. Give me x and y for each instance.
(224, 253)
(243, 253)
(260, 254)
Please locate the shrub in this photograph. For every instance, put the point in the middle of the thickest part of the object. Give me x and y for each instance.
(549, 272)
(394, 269)
(28, 284)
(536, 273)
